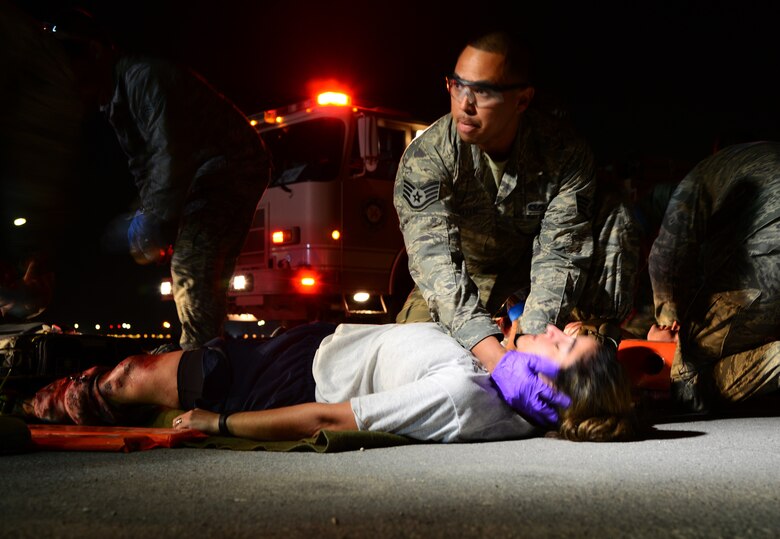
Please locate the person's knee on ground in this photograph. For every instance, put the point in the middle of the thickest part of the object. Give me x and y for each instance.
(748, 374)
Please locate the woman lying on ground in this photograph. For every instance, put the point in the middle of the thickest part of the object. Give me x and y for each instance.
(408, 379)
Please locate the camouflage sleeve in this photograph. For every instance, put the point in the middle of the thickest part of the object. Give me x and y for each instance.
(164, 171)
(674, 253)
(563, 247)
(422, 198)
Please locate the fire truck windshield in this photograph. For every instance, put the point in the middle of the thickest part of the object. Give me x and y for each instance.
(307, 151)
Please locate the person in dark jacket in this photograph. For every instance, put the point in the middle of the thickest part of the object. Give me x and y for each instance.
(199, 166)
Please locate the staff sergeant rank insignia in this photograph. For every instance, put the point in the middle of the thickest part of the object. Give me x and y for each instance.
(419, 198)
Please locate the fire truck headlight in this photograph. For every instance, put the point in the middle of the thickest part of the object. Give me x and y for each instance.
(241, 283)
(166, 288)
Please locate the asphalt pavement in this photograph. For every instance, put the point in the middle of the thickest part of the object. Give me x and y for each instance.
(691, 478)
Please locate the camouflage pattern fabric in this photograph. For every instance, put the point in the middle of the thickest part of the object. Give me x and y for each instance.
(197, 164)
(715, 268)
(472, 241)
(204, 257)
(612, 278)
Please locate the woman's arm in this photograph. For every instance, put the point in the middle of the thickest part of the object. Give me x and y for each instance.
(287, 423)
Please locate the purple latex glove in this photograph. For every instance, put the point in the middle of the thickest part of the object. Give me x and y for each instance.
(516, 376)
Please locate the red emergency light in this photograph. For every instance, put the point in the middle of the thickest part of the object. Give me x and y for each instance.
(307, 282)
(339, 99)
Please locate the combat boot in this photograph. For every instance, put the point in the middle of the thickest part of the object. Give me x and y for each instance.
(692, 389)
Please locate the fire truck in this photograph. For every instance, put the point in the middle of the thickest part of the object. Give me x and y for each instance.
(325, 241)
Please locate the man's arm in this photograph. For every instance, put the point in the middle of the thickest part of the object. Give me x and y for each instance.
(164, 169)
(423, 197)
(672, 259)
(489, 352)
(564, 246)
(286, 423)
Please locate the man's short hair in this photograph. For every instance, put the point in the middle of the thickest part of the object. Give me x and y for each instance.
(516, 51)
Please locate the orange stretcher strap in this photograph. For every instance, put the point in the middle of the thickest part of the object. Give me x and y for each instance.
(125, 439)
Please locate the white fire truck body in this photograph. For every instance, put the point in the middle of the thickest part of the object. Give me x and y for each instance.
(325, 238)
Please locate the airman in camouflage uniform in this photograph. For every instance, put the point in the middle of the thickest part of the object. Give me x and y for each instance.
(489, 207)
(715, 271)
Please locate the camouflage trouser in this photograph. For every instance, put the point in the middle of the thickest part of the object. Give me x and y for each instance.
(204, 258)
(729, 344)
(748, 374)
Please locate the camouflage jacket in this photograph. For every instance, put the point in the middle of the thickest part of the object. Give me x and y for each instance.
(720, 233)
(186, 144)
(471, 243)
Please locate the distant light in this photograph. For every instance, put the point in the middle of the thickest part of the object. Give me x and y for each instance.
(261, 322)
(97, 326)
(335, 234)
(19, 221)
(308, 281)
(253, 122)
(166, 325)
(242, 317)
(361, 297)
(75, 326)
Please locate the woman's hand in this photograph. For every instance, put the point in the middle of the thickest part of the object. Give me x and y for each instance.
(198, 419)
(664, 333)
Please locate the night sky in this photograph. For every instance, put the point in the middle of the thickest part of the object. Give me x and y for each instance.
(657, 81)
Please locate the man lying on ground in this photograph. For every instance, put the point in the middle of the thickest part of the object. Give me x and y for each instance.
(410, 379)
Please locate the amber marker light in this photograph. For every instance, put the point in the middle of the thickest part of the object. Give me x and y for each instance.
(286, 235)
(335, 234)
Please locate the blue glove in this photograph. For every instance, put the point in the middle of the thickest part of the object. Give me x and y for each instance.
(147, 240)
(516, 376)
